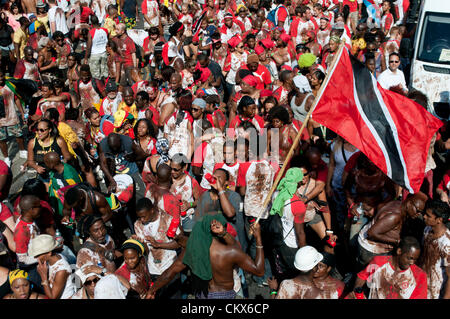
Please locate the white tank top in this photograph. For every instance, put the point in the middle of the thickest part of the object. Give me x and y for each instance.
(299, 110)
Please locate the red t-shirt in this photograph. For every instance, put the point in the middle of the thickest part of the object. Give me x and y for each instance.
(126, 48)
(22, 235)
(86, 12)
(45, 220)
(263, 75)
(386, 283)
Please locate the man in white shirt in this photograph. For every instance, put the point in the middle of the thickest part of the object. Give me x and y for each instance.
(56, 18)
(96, 50)
(392, 76)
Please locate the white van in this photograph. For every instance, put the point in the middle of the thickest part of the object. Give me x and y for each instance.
(430, 65)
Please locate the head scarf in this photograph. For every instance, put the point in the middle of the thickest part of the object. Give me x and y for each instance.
(234, 41)
(17, 274)
(264, 93)
(335, 38)
(205, 75)
(306, 60)
(133, 244)
(239, 7)
(286, 67)
(200, 103)
(197, 248)
(267, 43)
(285, 37)
(251, 80)
(287, 188)
(259, 50)
(246, 101)
(120, 117)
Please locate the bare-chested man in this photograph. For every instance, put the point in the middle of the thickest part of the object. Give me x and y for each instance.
(382, 234)
(85, 201)
(224, 255)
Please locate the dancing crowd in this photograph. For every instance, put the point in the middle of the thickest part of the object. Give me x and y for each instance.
(142, 139)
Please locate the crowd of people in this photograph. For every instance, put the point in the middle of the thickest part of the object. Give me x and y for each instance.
(151, 133)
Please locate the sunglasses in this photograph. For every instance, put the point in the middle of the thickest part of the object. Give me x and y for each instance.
(176, 169)
(240, 46)
(394, 61)
(90, 282)
(195, 110)
(42, 130)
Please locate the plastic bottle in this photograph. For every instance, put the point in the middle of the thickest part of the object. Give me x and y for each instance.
(210, 178)
(182, 213)
(360, 211)
(59, 239)
(26, 112)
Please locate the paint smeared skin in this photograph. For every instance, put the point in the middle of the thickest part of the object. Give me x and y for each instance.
(259, 182)
(158, 259)
(435, 257)
(85, 256)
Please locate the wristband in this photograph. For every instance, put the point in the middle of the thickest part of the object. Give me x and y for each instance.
(44, 283)
(273, 292)
(221, 192)
(329, 231)
(261, 247)
(192, 204)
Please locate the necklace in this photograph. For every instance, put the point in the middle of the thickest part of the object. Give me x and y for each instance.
(46, 149)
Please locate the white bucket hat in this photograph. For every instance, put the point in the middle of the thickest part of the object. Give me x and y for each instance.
(41, 244)
(307, 258)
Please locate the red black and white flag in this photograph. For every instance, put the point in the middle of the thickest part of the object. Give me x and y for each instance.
(393, 131)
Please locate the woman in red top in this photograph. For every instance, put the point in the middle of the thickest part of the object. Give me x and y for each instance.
(145, 136)
(134, 268)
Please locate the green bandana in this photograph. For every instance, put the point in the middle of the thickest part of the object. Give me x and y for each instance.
(287, 188)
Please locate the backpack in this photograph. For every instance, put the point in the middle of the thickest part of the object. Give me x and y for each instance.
(275, 229)
(272, 16)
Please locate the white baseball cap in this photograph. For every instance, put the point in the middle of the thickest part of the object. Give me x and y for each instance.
(307, 258)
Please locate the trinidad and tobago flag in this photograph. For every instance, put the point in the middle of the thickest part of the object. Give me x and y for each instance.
(393, 131)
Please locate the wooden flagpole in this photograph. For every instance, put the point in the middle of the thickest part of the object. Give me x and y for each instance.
(297, 138)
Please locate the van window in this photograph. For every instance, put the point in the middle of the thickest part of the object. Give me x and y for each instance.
(434, 44)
